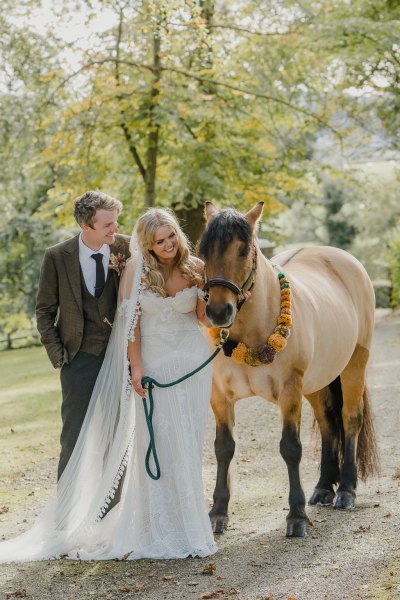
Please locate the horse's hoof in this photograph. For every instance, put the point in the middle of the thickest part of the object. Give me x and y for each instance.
(296, 527)
(219, 524)
(321, 497)
(344, 500)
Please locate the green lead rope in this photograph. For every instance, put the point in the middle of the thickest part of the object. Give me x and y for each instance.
(149, 410)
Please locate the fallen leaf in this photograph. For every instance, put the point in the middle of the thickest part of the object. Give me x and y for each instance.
(167, 577)
(388, 586)
(139, 585)
(124, 590)
(209, 569)
(12, 430)
(193, 583)
(207, 595)
(388, 514)
(4, 509)
(20, 593)
(362, 529)
(151, 575)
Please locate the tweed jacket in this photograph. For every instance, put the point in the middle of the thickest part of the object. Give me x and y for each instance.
(59, 311)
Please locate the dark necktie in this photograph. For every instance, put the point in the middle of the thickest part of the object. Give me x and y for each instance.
(100, 278)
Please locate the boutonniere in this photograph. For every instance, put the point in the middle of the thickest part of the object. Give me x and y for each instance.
(117, 263)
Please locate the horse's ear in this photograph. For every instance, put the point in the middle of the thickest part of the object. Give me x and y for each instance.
(210, 210)
(254, 214)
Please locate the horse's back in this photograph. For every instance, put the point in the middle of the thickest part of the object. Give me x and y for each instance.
(329, 269)
(333, 305)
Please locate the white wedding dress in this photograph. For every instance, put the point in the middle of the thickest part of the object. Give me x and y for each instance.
(159, 519)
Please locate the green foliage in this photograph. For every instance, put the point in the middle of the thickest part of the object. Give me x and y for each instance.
(30, 408)
(394, 272)
(340, 232)
(181, 102)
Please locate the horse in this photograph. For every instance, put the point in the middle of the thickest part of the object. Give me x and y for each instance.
(305, 330)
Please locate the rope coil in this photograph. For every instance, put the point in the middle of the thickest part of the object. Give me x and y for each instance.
(150, 383)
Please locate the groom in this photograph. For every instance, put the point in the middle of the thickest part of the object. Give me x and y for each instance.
(76, 303)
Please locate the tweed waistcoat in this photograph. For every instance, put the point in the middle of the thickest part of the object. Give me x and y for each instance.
(96, 330)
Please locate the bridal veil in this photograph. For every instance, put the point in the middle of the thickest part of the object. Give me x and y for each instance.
(92, 475)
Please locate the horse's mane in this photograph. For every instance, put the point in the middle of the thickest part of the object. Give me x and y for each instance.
(227, 225)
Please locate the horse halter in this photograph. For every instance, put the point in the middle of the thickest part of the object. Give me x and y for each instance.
(246, 287)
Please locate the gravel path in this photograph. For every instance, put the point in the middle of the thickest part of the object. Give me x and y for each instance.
(351, 555)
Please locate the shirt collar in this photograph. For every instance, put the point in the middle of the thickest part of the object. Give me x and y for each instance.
(86, 252)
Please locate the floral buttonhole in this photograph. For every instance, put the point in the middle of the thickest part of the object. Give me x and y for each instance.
(117, 263)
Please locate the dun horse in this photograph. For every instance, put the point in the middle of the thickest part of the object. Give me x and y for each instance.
(306, 330)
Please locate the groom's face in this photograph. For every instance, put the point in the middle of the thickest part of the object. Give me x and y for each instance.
(104, 228)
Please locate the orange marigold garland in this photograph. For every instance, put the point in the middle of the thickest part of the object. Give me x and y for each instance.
(265, 353)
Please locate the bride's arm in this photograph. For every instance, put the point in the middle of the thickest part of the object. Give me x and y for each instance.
(201, 313)
(135, 359)
(201, 304)
(134, 347)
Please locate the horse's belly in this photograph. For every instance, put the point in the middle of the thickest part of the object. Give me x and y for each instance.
(328, 361)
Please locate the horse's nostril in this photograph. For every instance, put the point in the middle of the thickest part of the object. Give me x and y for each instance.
(220, 316)
(229, 310)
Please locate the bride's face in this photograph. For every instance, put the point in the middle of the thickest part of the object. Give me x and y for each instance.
(165, 244)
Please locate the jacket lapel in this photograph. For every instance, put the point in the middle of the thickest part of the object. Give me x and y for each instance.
(72, 268)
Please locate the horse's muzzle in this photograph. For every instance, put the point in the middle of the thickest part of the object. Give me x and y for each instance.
(221, 316)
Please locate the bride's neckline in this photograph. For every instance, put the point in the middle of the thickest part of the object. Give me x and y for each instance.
(170, 297)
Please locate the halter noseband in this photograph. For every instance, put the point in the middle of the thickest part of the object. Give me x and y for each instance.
(246, 287)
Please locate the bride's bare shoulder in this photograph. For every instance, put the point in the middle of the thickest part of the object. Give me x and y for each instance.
(197, 264)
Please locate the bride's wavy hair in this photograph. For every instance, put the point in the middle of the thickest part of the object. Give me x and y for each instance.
(145, 230)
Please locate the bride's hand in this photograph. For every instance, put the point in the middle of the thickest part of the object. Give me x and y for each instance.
(137, 375)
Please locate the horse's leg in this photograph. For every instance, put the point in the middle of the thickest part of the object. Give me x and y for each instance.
(327, 406)
(290, 446)
(352, 380)
(224, 451)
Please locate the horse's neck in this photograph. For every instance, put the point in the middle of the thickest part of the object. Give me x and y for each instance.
(257, 319)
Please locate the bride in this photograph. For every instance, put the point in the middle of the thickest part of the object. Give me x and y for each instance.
(155, 333)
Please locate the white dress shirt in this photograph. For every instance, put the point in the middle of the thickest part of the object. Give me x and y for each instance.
(88, 264)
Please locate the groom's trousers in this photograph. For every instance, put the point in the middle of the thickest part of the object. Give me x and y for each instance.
(77, 383)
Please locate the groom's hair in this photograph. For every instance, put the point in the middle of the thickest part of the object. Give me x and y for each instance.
(86, 206)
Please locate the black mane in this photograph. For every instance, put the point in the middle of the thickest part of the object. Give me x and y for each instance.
(227, 225)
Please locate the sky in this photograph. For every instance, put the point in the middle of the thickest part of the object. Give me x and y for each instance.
(73, 27)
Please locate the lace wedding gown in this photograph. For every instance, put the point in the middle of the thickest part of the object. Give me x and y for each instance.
(166, 518)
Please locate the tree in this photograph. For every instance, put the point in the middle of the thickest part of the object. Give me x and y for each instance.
(164, 100)
(24, 182)
(175, 103)
(340, 232)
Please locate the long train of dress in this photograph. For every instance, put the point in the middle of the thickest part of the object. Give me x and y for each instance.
(166, 518)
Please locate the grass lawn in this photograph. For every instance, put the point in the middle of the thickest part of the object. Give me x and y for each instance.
(30, 400)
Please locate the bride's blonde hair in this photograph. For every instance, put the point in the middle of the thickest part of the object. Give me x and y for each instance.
(156, 273)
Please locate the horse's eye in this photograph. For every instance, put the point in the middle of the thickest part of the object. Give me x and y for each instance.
(243, 251)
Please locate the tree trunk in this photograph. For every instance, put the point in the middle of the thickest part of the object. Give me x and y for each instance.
(192, 221)
(154, 128)
(192, 216)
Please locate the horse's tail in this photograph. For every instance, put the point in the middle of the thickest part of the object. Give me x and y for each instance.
(367, 450)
